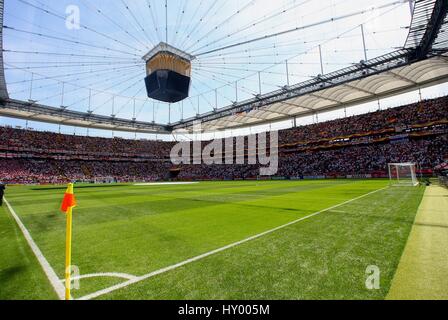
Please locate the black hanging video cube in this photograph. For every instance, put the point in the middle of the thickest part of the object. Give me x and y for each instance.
(168, 73)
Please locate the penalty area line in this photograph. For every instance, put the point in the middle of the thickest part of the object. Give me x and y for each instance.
(49, 271)
(207, 254)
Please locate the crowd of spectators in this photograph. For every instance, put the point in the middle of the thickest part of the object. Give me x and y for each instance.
(347, 161)
(366, 159)
(50, 141)
(35, 171)
(394, 118)
(45, 157)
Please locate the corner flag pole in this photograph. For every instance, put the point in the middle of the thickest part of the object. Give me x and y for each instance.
(67, 206)
(68, 254)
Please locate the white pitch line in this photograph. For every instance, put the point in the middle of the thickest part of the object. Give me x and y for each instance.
(49, 271)
(338, 211)
(165, 183)
(103, 274)
(207, 254)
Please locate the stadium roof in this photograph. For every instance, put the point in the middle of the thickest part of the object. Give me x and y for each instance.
(33, 111)
(372, 80)
(421, 62)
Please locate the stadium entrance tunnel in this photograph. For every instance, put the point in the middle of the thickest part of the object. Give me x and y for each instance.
(174, 173)
(168, 72)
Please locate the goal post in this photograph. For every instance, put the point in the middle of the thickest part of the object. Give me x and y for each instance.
(402, 174)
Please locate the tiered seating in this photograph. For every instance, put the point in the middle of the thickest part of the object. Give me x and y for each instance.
(359, 145)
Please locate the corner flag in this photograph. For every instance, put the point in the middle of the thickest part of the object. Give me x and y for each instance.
(68, 203)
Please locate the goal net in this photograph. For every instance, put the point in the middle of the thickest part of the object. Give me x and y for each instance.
(402, 174)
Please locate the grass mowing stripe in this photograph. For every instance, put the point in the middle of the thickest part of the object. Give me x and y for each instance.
(202, 256)
(50, 273)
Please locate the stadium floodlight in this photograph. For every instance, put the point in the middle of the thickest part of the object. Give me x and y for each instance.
(402, 174)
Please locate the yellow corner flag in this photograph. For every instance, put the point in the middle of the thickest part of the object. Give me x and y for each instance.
(67, 206)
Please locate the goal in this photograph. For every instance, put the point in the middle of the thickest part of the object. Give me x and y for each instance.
(104, 180)
(402, 174)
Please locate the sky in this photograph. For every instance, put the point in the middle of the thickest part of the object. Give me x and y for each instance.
(99, 65)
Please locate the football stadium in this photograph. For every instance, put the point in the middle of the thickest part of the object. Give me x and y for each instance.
(224, 150)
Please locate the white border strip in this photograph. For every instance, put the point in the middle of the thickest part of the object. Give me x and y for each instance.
(49, 271)
(207, 254)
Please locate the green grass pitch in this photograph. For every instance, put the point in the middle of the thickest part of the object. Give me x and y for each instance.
(140, 229)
